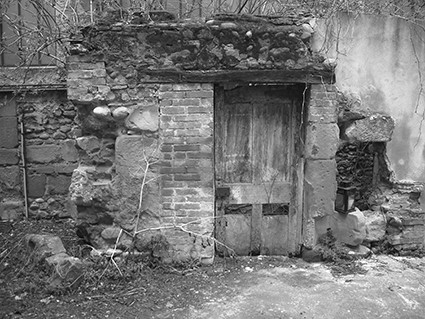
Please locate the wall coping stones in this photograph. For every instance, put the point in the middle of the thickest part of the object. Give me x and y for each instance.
(225, 48)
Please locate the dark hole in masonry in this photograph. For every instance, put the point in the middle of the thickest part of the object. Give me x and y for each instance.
(267, 209)
(361, 168)
(240, 209)
(275, 209)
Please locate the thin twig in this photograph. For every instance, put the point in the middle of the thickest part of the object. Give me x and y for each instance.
(113, 252)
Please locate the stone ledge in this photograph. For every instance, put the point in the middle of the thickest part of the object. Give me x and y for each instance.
(375, 128)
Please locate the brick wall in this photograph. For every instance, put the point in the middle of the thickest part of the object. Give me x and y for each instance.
(168, 125)
(186, 122)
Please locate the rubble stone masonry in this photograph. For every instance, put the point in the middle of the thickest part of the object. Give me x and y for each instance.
(149, 91)
(50, 152)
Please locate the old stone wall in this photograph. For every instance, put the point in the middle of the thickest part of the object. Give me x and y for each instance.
(322, 136)
(385, 214)
(50, 152)
(147, 91)
(11, 203)
(379, 79)
(176, 51)
(169, 127)
(378, 62)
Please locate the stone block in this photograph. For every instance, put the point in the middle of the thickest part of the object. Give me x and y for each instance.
(144, 119)
(9, 178)
(70, 209)
(44, 246)
(349, 228)
(7, 106)
(322, 115)
(322, 141)
(85, 188)
(11, 210)
(64, 168)
(375, 128)
(68, 151)
(58, 184)
(110, 233)
(9, 157)
(36, 185)
(320, 187)
(8, 132)
(359, 252)
(42, 153)
(311, 255)
(81, 188)
(130, 151)
(90, 144)
(41, 169)
(102, 112)
(120, 113)
(376, 226)
(67, 271)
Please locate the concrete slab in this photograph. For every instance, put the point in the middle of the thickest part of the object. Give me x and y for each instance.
(393, 287)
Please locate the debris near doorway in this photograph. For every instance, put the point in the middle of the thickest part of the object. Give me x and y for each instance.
(342, 259)
(390, 217)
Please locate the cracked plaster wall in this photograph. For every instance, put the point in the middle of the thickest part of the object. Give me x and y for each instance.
(380, 59)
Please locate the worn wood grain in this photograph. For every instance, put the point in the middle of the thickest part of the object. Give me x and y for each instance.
(274, 235)
(266, 193)
(258, 139)
(256, 229)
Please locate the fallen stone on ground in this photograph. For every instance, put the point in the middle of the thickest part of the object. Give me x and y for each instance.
(67, 271)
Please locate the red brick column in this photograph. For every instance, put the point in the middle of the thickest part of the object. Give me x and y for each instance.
(186, 130)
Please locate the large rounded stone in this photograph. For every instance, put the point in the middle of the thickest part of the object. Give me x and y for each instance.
(120, 113)
(110, 233)
(144, 119)
(376, 226)
(44, 246)
(102, 111)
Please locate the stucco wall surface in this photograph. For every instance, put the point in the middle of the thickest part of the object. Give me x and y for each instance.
(381, 60)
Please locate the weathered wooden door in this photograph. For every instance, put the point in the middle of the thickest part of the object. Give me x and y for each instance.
(258, 167)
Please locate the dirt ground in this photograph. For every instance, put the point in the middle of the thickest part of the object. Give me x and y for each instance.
(257, 287)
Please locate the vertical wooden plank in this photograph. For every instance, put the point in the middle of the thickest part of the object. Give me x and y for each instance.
(256, 229)
(295, 217)
(274, 236)
(237, 147)
(236, 231)
(272, 142)
(301, 116)
(220, 223)
(299, 207)
(218, 133)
